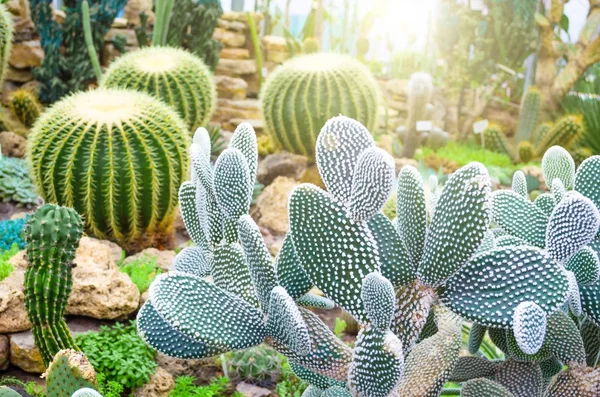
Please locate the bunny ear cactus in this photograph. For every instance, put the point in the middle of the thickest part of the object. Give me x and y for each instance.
(69, 372)
(52, 235)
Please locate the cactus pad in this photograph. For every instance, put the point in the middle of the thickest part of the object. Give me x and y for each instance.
(529, 326)
(585, 264)
(286, 324)
(68, 372)
(411, 211)
(378, 296)
(484, 388)
(558, 163)
(290, 273)
(520, 217)
(231, 273)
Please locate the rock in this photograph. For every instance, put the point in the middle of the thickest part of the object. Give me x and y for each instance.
(119, 23)
(276, 56)
(228, 38)
(25, 354)
(203, 370)
(232, 25)
(228, 109)
(26, 54)
(134, 8)
(236, 67)
(241, 16)
(13, 145)
(160, 385)
(19, 215)
(129, 34)
(271, 209)
(396, 87)
(164, 259)
(235, 53)
(4, 352)
(281, 164)
(100, 290)
(231, 87)
(250, 390)
(257, 124)
(19, 75)
(274, 43)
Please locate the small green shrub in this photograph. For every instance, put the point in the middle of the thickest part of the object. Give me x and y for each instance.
(119, 354)
(465, 154)
(288, 384)
(340, 327)
(5, 267)
(185, 387)
(108, 388)
(142, 272)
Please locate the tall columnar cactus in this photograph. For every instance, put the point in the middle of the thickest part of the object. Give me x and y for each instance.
(303, 93)
(67, 66)
(495, 140)
(528, 115)
(52, 235)
(172, 75)
(420, 94)
(564, 132)
(26, 107)
(69, 372)
(6, 36)
(117, 157)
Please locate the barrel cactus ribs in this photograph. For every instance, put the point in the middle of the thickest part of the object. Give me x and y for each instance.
(409, 283)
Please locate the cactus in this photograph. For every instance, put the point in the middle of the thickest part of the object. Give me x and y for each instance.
(310, 45)
(6, 391)
(408, 284)
(172, 75)
(69, 372)
(526, 152)
(26, 107)
(258, 363)
(303, 93)
(117, 157)
(563, 133)
(528, 115)
(52, 235)
(420, 93)
(6, 36)
(67, 66)
(495, 140)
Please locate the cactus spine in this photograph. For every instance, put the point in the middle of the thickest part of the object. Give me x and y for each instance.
(52, 235)
(26, 107)
(258, 363)
(175, 76)
(117, 157)
(563, 133)
(420, 93)
(528, 115)
(69, 372)
(303, 93)
(6, 36)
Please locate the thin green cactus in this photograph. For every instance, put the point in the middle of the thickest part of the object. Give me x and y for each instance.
(528, 116)
(526, 151)
(420, 94)
(563, 133)
(256, 364)
(52, 235)
(303, 93)
(495, 140)
(6, 37)
(69, 372)
(115, 156)
(175, 76)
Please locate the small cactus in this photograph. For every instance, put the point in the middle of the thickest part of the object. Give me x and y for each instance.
(310, 45)
(6, 391)
(526, 151)
(563, 133)
(69, 372)
(495, 140)
(256, 364)
(420, 93)
(26, 106)
(175, 76)
(52, 235)
(528, 115)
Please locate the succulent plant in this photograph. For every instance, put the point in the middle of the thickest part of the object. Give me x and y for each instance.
(6, 36)
(117, 157)
(294, 116)
(15, 182)
(564, 132)
(68, 373)
(6, 391)
(11, 233)
(495, 140)
(175, 76)
(528, 115)
(310, 45)
(526, 151)
(257, 364)
(26, 107)
(52, 235)
(409, 283)
(420, 94)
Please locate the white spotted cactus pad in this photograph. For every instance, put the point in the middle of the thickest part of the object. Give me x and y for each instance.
(520, 272)
(339, 144)
(519, 184)
(371, 184)
(587, 179)
(483, 387)
(233, 183)
(318, 240)
(585, 264)
(529, 326)
(290, 274)
(378, 296)
(558, 163)
(193, 260)
(519, 217)
(461, 219)
(244, 140)
(231, 273)
(545, 202)
(377, 363)
(189, 214)
(86, 392)
(411, 211)
(573, 224)
(285, 322)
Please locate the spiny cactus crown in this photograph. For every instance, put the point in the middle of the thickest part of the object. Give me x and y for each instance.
(392, 279)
